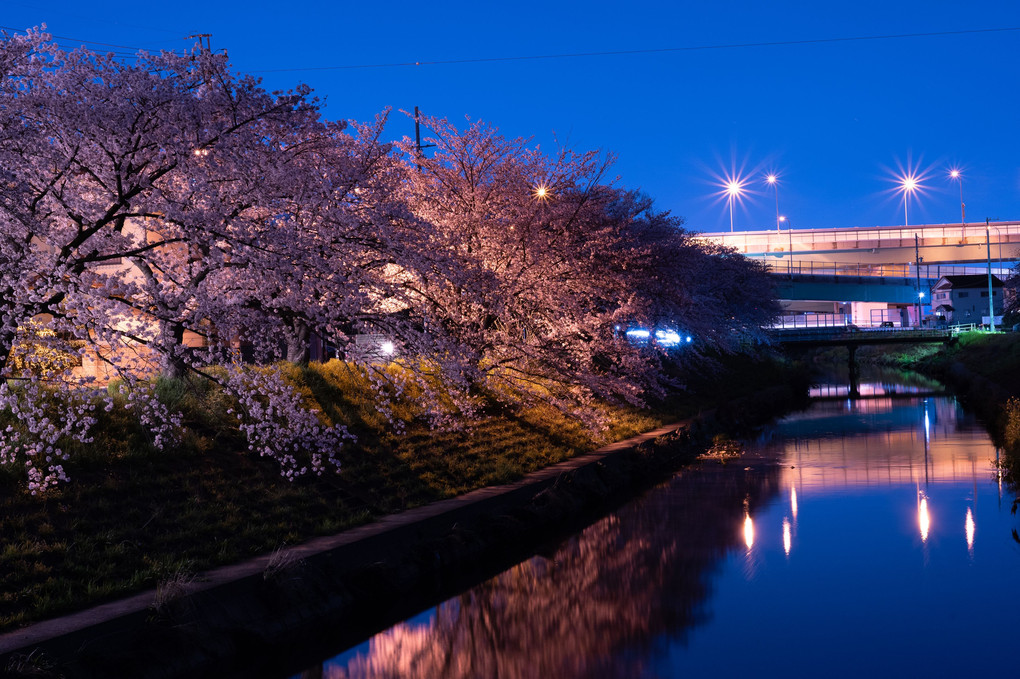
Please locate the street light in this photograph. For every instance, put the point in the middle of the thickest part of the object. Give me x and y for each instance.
(955, 174)
(908, 185)
(789, 264)
(772, 179)
(733, 189)
(991, 291)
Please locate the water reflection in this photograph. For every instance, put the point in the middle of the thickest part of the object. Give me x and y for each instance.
(923, 518)
(665, 585)
(594, 609)
(968, 527)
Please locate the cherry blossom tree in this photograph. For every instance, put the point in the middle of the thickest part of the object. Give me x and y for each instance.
(168, 215)
(553, 262)
(135, 193)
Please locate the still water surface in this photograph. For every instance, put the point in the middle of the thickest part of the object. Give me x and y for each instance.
(864, 537)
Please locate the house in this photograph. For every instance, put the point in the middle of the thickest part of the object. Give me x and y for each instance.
(964, 299)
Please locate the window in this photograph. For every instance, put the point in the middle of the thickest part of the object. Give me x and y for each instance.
(984, 293)
(963, 293)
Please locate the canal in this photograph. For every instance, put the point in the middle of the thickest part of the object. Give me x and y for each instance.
(865, 536)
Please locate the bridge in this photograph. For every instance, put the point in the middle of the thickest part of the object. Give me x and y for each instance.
(934, 243)
(853, 338)
(874, 275)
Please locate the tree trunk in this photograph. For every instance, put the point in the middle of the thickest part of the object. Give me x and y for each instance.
(298, 346)
(174, 364)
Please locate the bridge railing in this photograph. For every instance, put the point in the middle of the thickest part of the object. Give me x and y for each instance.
(864, 237)
(800, 321)
(931, 272)
(853, 332)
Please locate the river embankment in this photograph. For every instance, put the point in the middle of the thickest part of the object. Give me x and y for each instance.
(983, 369)
(218, 619)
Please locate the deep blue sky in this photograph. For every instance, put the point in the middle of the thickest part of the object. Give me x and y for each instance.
(836, 121)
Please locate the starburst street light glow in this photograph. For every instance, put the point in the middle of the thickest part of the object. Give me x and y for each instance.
(541, 192)
(734, 189)
(772, 180)
(909, 183)
(955, 174)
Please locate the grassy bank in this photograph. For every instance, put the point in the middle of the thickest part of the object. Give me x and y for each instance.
(132, 517)
(984, 370)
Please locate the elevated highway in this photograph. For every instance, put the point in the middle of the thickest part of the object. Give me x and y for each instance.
(878, 245)
(890, 284)
(874, 275)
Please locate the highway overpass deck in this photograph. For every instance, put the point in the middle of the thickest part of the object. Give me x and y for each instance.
(936, 243)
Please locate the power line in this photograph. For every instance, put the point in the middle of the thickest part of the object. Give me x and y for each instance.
(81, 40)
(698, 48)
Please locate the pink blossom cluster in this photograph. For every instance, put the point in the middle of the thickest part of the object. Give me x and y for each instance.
(155, 417)
(271, 415)
(46, 417)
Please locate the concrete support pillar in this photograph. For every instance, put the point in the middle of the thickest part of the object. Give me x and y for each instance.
(855, 386)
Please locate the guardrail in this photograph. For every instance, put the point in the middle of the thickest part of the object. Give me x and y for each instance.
(868, 236)
(851, 332)
(930, 272)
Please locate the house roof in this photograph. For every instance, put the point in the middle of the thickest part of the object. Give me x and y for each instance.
(968, 281)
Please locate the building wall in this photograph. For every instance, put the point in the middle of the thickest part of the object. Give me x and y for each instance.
(969, 304)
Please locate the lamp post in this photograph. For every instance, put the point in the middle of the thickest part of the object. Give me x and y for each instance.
(917, 277)
(733, 189)
(955, 174)
(789, 264)
(908, 185)
(773, 180)
(998, 237)
(991, 298)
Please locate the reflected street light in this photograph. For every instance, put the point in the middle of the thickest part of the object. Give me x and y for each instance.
(955, 174)
(733, 189)
(773, 180)
(923, 516)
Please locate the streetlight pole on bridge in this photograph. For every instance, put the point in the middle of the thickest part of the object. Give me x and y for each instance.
(789, 230)
(955, 174)
(773, 180)
(991, 291)
(733, 189)
(908, 185)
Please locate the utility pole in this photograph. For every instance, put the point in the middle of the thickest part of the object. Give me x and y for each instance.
(991, 294)
(917, 277)
(418, 146)
(206, 47)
